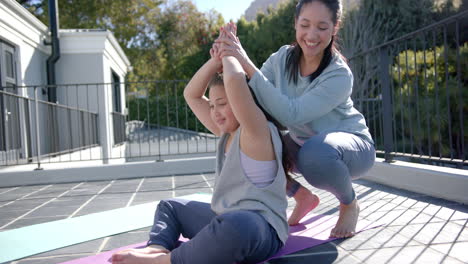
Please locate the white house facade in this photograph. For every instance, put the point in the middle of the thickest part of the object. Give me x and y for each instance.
(89, 101)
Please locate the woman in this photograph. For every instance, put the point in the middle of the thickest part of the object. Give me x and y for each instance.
(307, 87)
(246, 221)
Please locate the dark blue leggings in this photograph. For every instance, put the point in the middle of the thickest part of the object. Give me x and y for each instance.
(233, 237)
(329, 161)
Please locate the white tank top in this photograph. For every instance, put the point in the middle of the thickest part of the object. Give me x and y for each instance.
(260, 173)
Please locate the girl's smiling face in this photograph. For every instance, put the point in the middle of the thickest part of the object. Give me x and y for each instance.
(220, 110)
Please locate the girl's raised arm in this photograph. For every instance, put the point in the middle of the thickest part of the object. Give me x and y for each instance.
(194, 94)
(249, 115)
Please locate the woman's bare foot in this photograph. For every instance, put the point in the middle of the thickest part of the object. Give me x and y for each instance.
(347, 220)
(306, 201)
(134, 257)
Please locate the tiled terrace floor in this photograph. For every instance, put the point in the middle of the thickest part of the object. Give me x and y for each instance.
(418, 228)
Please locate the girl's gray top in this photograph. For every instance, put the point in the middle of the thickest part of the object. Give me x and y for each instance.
(234, 191)
(309, 108)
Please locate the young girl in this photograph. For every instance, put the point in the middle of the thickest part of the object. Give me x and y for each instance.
(307, 87)
(246, 222)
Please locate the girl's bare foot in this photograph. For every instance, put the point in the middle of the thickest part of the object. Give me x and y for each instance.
(134, 257)
(347, 220)
(151, 249)
(306, 201)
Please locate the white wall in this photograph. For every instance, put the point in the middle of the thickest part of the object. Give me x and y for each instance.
(86, 57)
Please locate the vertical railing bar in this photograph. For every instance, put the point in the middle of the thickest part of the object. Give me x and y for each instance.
(78, 119)
(90, 143)
(138, 118)
(460, 93)
(408, 94)
(186, 136)
(386, 103)
(428, 109)
(149, 119)
(131, 134)
(198, 133)
(392, 89)
(167, 119)
(401, 99)
(437, 94)
(70, 130)
(416, 93)
(447, 92)
(111, 115)
(177, 116)
(126, 119)
(38, 140)
(97, 123)
(158, 117)
(50, 126)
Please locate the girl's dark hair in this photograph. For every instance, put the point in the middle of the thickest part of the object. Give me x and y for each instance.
(294, 55)
(217, 79)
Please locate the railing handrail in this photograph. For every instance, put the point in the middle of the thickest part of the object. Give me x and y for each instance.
(411, 34)
(49, 103)
(77, 85)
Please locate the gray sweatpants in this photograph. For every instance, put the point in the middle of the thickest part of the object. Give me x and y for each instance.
(233, 237)
(329, 161)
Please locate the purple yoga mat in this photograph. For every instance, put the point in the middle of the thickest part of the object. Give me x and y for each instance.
(312, 231)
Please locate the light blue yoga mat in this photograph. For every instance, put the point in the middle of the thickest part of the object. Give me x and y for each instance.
(30, 240)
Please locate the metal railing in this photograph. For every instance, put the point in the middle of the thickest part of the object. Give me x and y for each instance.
(84, 126)
(413, 92)
(33, 129)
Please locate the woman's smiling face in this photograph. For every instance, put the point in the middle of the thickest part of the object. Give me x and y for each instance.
(314, 29)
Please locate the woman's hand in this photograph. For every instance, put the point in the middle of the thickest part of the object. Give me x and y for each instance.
(215, 57)
(231, 46)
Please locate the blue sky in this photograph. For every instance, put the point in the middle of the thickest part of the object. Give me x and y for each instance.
(230, 9)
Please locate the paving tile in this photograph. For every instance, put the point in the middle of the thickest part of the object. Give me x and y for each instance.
(102, 201)
(188, 191)
(70, 200)
(32, 221)
(157, 184)
(126, 239)
(418, 228)
(101, 207)
(457, 250)
(123, 186)
(25, 204)
(191, 182)
(451, 232)
(376, 238)
(53, 191)
(399, 217)
(88, 188)
(148, 197)
(4, 190)
(431, 233)
(377, 206)
(51, 259)
(89, 247)
(429, 255)
(52, 210)
(12, 214)
(20, 192)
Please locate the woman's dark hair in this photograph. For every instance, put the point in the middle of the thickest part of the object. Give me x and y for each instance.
(294, 55)
(286, 158)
